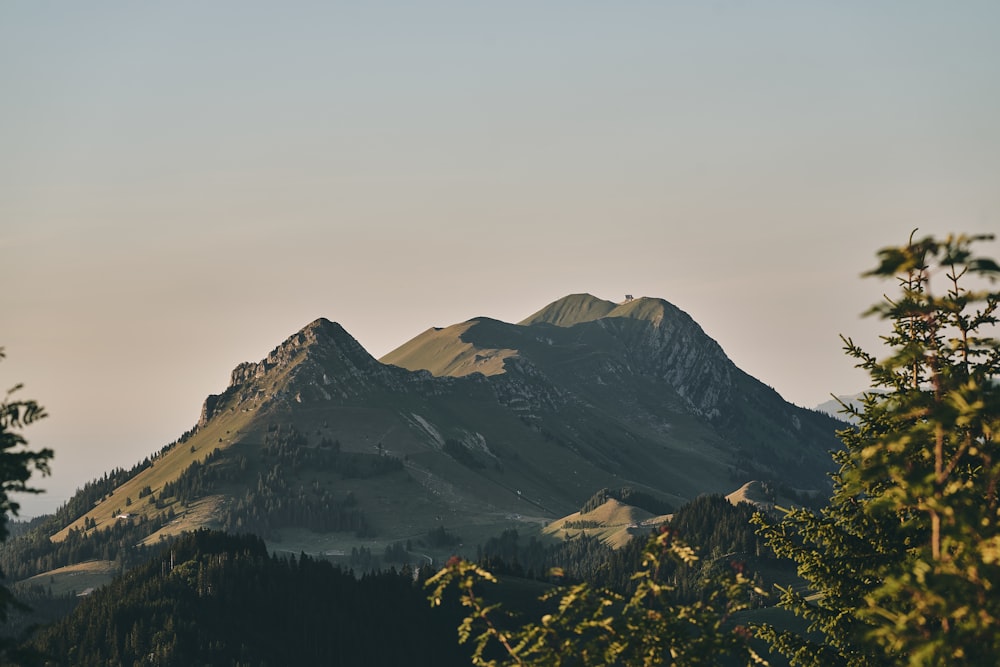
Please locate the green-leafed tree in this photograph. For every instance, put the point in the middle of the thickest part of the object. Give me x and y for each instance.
(903, 566)
(587, 625)
(17, 463)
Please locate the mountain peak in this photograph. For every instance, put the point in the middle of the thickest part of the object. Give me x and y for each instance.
(570, 310)
(319, 338)
(319, 361)
(320, 324)
(476, 421)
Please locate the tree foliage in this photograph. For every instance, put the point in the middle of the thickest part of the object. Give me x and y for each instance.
(591, 625)
(903, 565)
(17, 462)
(209, 598)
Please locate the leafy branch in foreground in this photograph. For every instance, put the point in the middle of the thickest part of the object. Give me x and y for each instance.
(904, 564)
(16, 466)
(17, 463)
(588, 625)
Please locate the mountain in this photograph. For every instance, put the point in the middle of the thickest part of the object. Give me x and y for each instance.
(460, 433)
(644, 368)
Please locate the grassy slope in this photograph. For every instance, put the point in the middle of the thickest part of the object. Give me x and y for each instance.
(571, 310)
(218, 433)
(75, 578)
(691, 460)
(445, 352)
(616, 523)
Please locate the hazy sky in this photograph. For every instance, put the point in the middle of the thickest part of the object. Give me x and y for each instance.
(185, 184)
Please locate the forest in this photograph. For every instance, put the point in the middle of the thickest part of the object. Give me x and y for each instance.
(222, 599)
(210, 598)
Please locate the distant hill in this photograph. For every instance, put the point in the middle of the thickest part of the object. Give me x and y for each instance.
(753, 493)
(614, 523)
(835, 406)
(469, 429)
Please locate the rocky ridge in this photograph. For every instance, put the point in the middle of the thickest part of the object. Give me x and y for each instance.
(588, 394)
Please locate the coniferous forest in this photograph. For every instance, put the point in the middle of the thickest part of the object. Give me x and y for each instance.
(210, 598)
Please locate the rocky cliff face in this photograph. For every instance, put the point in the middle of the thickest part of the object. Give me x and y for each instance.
(626, 387)
(590, 395)
(321, 362)
(664, 341)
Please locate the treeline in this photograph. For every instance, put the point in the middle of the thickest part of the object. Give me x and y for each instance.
(285, 445)
(718, 527)
(274, 503)
(284, 495)
(720, 531)
(629, 496)
(286, 491)
(34, 553)
(508, 554)
(97, 490)
(202, 478)
(212, 598)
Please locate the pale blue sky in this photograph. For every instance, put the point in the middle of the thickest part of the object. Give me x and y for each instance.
(184, 184)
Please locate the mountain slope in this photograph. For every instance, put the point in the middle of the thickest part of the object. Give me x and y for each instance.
(571, 310)
(648, 362)
(446, 352)
(473, 428)
(614, 523)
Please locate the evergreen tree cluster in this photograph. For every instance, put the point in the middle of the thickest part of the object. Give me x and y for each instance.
(274, 502)
(120, 541)
(285, 445)
(216, 599)
(721, 532)
(290, 489)
(717, 527)
(202, 477)
(97, 490)
(628, 496)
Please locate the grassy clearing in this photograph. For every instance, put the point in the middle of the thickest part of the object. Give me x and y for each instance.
(613, 523)
(74, 579)
(200, 514)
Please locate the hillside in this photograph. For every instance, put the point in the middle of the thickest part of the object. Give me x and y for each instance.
(614, 523)
(214, 599)
(445, 352)
(570, 310)
(472, 429)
